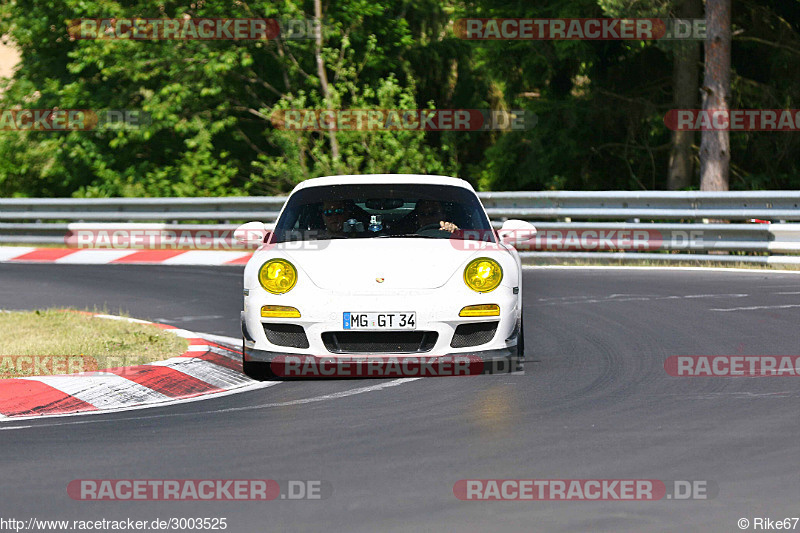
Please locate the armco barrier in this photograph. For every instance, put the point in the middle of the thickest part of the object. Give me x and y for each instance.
(698, 226)
(591, 205)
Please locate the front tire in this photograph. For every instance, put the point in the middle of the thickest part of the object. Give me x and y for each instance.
(256, 369)
(521, 342)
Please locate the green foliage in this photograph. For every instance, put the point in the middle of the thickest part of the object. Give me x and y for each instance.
(599, 104)
(362, 152)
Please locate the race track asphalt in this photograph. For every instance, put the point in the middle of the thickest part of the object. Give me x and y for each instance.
(594, 403)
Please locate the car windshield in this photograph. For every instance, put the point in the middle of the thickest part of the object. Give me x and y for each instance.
(376, 211)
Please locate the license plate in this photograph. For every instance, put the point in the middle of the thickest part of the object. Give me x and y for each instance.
(379, 320)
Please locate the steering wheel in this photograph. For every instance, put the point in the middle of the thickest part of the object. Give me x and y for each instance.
(431, 230)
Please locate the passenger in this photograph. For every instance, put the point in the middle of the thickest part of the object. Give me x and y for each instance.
(335, 213)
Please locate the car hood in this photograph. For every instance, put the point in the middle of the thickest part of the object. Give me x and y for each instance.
(377, 264)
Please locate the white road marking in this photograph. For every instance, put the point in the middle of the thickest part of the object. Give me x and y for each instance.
(730, 295)
(673, 269)
(222, 339)
(315, 399)
(185, 333)
(123, 318)
(757, 307)
(744, 395)
(175, 319)
(633, 298)
(560, 298)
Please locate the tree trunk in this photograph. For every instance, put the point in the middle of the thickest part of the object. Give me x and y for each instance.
(685, 85)
(715, 154)
(323, 77)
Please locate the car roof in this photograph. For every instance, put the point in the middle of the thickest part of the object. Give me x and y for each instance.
(378, 179)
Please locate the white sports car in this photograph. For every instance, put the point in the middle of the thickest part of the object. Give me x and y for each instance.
(382, 266)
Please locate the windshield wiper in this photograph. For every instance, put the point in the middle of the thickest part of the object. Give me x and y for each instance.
(408, 235)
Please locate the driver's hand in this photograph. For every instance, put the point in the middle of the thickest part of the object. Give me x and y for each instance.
(447, 226)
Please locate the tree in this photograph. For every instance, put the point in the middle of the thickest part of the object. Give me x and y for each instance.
(600, 105)
(323, 76)
(210, 101)
(685, 81)
(715, 153)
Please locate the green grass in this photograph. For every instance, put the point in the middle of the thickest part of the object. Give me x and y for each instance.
(56, 341)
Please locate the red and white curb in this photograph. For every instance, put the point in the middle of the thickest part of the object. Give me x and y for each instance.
(206, 368)
(94, 256)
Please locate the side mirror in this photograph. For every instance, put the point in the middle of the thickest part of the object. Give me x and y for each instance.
(516, 231)
(251, 233)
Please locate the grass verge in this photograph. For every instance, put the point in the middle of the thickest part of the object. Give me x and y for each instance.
(56, 341)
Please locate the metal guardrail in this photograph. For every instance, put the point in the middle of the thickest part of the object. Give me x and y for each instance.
(646, 205)
(564, 220)
(141, 209)
(584, 205)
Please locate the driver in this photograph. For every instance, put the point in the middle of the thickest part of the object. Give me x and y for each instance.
(430, 213)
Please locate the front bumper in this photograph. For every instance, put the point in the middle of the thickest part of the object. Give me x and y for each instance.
(437, 314)
(280, 365)
(486, 356)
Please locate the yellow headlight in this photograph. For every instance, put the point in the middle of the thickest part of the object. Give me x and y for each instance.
(483, 274)
(277, 276)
